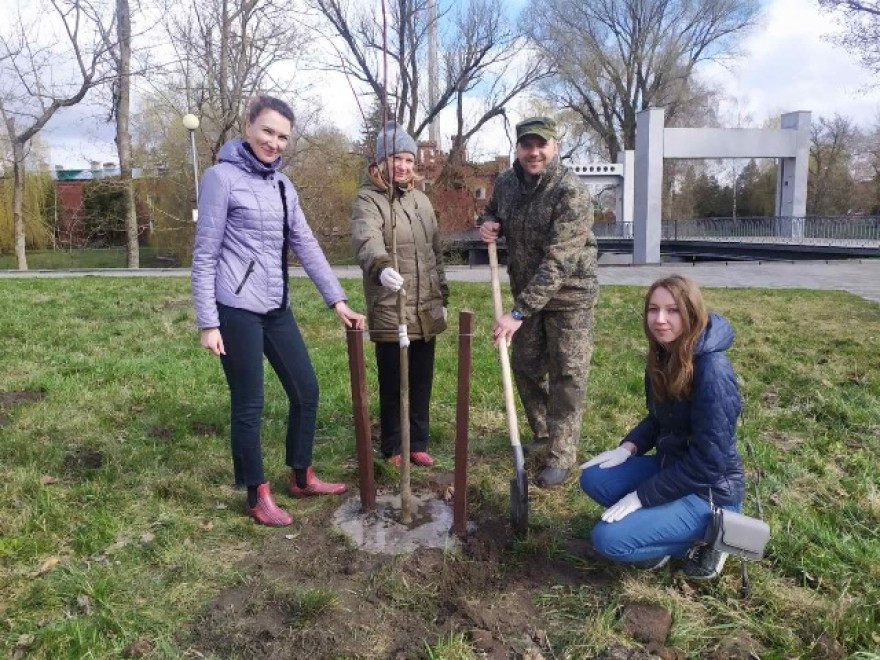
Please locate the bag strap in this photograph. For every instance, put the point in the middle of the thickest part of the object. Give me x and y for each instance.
(285, 232)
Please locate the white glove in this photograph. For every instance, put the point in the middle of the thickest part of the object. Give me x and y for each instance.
(624, 506)
(445, 315)
(608, 459)
(391, 279)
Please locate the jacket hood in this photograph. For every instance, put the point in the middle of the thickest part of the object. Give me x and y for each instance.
(239, 154)
(718, 336)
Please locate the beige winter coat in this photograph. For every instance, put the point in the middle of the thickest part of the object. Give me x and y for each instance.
(419, 260)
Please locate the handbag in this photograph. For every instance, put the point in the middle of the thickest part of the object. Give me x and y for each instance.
(738, 534)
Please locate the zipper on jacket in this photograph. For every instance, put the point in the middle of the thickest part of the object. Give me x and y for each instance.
(247, 274)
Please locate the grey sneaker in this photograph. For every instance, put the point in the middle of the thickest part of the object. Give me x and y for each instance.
(552, 477)
(652, 564)
(704, 563)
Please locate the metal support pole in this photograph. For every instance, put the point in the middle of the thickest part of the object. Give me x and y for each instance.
(462, 418)
(357, 370)
(195, 156)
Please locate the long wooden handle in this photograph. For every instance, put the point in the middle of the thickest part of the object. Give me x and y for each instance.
(506, 378)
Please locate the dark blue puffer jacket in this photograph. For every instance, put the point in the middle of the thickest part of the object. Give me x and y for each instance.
(695, 438)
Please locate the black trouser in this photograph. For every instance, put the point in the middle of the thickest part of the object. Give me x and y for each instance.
(421, 378)
(247, 337)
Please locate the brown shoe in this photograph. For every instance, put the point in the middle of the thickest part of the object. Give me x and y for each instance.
(315, 486)
(266, 512)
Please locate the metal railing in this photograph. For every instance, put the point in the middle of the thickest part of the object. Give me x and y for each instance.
(859, 231)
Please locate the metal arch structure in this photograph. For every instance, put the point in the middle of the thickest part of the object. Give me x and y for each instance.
(620, 174)
(654, 143)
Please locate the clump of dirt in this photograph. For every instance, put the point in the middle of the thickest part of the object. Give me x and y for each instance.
(205, 428)
(646, 623)
(161, 433)
(308, 593)
(81, 461)
(9, 400)
(377, 605)
(739, 647)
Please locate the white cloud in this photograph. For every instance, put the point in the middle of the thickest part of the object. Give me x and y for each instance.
(789, 64)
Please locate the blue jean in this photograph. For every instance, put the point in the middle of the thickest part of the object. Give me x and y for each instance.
(247, 337)
(647, 533)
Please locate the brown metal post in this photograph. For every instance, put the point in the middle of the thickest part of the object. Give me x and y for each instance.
(462, 419)
(358, 372)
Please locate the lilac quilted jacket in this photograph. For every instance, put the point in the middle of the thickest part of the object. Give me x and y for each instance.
(240, 235)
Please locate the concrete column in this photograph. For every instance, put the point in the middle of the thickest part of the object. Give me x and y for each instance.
(624, 207)
(648, 189)
(791, 182)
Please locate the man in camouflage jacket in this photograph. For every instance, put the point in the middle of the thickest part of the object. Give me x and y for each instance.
(546, 216)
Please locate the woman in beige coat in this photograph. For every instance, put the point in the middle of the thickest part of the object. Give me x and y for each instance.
(419, 272)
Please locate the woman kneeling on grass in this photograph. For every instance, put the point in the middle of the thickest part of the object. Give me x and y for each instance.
(249, 214)
(659, 506)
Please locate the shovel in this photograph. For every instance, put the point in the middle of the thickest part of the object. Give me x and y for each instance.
(519, 485)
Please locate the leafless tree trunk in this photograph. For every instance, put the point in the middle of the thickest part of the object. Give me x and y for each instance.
(17, 195)
(614, 58)
(122, 102)
(31, 93)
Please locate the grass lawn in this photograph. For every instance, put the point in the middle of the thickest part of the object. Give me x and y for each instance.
(120, 532)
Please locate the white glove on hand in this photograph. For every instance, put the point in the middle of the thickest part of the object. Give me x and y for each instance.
(445, 315)
(391, 279)
(608, 459)
(625, 506)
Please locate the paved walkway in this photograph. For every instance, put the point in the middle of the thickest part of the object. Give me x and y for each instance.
(861, 277)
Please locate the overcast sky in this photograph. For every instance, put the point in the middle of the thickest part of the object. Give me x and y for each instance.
(788, 64)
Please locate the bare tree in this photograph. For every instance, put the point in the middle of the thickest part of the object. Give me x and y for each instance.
(120, 53)
(30, 88)
(478, 58)
(830, 184)
(861, 23)
(224, 52)
(614, 58)
(487, 44)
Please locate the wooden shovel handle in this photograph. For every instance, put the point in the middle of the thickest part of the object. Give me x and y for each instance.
(506, 378)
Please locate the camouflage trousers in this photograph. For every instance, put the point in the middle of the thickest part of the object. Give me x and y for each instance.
(551, 364)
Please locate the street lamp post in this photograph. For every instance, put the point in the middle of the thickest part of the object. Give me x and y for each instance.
(191, 123)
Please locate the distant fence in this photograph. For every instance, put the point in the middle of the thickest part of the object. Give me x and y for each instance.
(811, 230)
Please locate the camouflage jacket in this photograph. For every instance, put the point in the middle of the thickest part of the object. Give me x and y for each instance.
(550, 244)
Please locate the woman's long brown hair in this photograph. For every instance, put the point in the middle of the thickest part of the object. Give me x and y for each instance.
(671, 366)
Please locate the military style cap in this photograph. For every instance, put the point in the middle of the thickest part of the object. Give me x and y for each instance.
(543, 127)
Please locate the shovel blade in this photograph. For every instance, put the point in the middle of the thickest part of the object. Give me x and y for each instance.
(519, 502)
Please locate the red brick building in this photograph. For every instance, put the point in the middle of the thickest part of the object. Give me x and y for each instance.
(70, 188)
(460, 190)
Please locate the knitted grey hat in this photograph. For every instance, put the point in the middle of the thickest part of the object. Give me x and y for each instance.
(393, 140)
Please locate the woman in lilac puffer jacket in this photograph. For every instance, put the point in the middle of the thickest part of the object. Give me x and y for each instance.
(249, 215)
